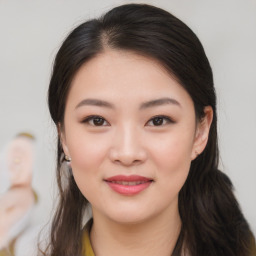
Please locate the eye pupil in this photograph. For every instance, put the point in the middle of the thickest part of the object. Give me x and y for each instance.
(98, 121)
(158, 121)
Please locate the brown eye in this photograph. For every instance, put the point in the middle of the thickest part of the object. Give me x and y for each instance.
(98, 121)
(159, 121)
(95, 121)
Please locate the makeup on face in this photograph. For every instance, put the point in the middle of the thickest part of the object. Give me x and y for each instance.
(129, 129)
(128, 185)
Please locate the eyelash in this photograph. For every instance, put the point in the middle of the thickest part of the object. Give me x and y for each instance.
(92, 118)
(167, 120)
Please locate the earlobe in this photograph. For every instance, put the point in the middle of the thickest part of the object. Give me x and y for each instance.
(202, 133)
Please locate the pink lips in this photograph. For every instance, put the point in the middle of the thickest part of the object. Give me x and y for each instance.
(128, 185)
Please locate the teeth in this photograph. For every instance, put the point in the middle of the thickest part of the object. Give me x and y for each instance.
(129, 183)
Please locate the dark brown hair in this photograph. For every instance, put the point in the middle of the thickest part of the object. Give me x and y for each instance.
(212, 222)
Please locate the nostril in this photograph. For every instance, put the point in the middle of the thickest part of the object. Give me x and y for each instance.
(127, 162)
(127, 155)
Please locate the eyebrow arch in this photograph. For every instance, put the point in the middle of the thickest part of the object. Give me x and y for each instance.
(94, 102)
(159, 102)
(144, 105)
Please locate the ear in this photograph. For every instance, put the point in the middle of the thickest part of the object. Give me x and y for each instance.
(62, 137)
(202, 133)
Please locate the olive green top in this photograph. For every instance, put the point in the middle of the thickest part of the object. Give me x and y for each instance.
(87, 247)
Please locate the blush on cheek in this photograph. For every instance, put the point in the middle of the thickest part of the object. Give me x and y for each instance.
(86, 149)
(175, 176)
(175, 162)
(174, 152)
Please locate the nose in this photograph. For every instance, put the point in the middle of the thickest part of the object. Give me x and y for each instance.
(127, 147)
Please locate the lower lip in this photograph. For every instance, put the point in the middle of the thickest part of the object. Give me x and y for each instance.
(129, 190)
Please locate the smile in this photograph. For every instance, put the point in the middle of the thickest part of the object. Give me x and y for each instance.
(128, 185)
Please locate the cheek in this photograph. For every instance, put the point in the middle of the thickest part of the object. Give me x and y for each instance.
(88, 157)
(172, 157)
(173, 149)
(88, 153)
(174, 162)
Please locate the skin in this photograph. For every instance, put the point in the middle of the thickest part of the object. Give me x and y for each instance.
(19, 198)
(20, 161)
(128, 142)
(14, 204)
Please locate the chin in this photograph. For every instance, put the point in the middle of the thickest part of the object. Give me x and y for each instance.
(129, 217)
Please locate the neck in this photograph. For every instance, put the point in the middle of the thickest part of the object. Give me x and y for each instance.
(155, 236)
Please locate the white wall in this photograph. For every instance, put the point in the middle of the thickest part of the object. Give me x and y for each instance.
(31, 32)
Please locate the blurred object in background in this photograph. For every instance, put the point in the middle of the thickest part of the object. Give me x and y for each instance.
(17, 197)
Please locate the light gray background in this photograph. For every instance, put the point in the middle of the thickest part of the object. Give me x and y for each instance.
(31, 32)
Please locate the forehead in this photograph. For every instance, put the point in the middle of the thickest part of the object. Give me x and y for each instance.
(116, 75)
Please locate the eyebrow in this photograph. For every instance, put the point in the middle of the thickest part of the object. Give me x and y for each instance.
(144, 105)
(95, 102)
(159, 102)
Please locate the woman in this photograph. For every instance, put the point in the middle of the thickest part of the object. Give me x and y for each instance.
(133, 100)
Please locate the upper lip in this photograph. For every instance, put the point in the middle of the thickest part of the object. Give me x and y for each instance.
(130, 178)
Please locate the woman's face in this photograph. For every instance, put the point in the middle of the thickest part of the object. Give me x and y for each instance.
(131, 132)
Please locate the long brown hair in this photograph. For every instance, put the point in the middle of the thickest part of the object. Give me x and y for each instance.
(212, 222)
